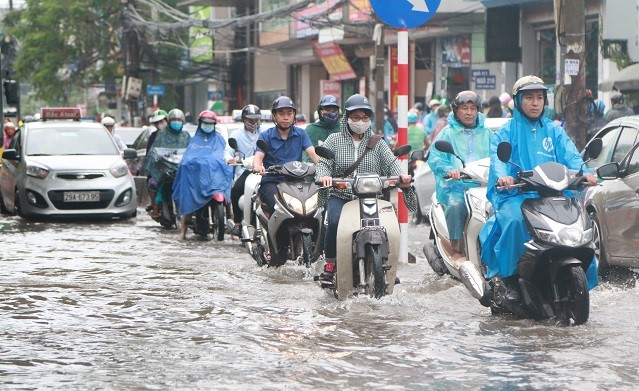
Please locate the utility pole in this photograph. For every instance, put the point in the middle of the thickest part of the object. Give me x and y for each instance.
(377, 76)
(571, 36)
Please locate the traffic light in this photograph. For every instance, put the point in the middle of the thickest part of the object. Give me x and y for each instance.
(12, 92)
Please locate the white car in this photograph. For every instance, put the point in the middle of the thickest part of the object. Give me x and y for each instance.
(66, 168)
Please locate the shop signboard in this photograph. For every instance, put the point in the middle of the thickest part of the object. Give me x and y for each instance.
(303, 18)
(331, 87)
(483, 79)
(456, 51)
(334, 61)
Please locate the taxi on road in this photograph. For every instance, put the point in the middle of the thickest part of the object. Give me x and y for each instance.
(60, 166)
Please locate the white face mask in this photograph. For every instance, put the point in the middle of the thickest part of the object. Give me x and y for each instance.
(358, 127)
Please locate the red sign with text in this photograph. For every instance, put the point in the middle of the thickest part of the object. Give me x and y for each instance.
(334, 61)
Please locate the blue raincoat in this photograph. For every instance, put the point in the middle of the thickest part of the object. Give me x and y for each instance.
(470, 145)
(202, 172)
(533, 143)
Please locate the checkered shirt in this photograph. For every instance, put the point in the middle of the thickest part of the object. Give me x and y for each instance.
(380, 160)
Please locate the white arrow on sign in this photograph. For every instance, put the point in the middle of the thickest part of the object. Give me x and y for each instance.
(419, 5)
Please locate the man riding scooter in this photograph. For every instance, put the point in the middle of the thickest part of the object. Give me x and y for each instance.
(246, 138)
(470, 140)
(535, 139)
(286, 143)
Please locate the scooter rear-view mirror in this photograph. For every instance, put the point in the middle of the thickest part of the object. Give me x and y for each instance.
(403, 150)
(444, 146)
(594, 148)
(504, 150)
(233, 143)
(263, 145)
(324, 152)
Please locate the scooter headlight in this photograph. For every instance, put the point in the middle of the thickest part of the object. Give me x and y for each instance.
(568, 236)
(293, 203)
(367, 185)
(311, 204)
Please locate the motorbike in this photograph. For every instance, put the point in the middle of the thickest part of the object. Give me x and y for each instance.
(169, 160)
(211, 218)
(247, 202)
(367, 234)
(551, 272)
(438, 250)
(292, 230)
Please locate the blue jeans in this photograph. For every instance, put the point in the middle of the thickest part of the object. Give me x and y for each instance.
(334, 207)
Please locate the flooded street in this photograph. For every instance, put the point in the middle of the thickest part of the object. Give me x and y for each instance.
(125, 305)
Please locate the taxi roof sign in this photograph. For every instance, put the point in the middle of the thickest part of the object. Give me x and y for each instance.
(52, 113)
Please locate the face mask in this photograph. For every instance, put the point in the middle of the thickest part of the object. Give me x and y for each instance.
(250, 126)
(358, 127)
(161, 126)
(177, 126)
(330, 117)
(208, 128)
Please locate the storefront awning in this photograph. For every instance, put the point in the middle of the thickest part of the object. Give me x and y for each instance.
(505, 3)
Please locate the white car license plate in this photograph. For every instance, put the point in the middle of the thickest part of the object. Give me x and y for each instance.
(81, 196)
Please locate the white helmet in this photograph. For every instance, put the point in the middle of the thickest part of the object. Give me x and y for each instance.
(107, 121)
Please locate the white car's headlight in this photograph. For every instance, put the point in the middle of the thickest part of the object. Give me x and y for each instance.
(368, 185)
(37, 171)
(293, 203)
(119, 169)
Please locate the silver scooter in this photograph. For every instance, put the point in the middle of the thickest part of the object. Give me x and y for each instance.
(438, 251)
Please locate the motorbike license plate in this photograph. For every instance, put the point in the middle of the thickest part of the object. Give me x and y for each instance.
(81, 196)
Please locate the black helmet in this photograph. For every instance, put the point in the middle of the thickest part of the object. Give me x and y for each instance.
(251, 112)
(328, 101)
(358, 102)
(283, 102)
(466, 97)
(616, 97)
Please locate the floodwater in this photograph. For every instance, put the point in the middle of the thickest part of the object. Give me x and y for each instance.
(126, 306)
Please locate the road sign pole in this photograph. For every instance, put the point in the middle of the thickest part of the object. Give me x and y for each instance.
(402, 133)
(155, 102)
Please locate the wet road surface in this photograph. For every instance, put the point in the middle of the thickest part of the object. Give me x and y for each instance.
(124, 305)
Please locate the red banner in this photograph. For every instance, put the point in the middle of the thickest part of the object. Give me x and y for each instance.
(334, 61)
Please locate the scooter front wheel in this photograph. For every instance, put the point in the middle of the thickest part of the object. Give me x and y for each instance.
(375, 281)
(307, 249)
(220, 220)
(573, 291)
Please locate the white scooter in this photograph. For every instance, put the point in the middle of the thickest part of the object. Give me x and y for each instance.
(367, 235)
(250, 225)
(474, 177)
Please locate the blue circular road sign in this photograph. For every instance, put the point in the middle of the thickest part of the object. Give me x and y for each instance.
(405, 13)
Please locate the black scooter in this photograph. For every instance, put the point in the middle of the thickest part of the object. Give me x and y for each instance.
(551, 272)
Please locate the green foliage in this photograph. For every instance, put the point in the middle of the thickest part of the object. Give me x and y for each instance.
(65, 44)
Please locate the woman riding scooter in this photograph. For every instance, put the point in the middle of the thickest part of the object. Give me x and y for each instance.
(203, 171)
(348, 145)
